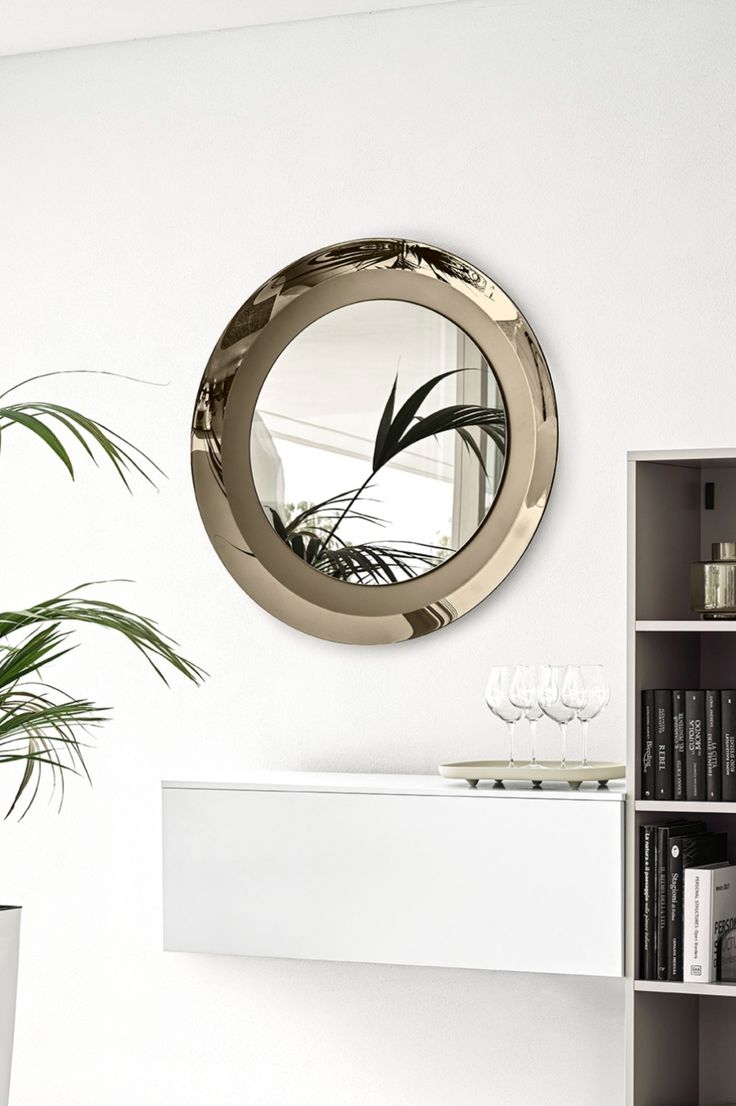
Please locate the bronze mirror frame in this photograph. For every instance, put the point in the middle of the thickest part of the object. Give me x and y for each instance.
(251, 550)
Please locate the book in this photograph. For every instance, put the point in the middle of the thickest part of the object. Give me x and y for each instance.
(713, 746)
(665, 833)
(663, 745)
(710, 910)
(684, 853)
(678, 742)
(694, 746)
(647, 963)
(647, 744)
(728, 746)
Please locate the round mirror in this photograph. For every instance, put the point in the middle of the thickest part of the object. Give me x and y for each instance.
(374, 441)
(378, 442)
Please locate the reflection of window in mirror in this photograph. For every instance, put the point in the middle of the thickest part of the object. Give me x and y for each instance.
(473, 489)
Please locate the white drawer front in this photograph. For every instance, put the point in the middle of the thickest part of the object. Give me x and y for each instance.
(514, 885)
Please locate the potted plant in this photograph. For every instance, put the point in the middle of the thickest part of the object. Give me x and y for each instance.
(44, 731)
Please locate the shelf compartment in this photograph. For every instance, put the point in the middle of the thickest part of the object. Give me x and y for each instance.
(683, 1046)
(673, 529)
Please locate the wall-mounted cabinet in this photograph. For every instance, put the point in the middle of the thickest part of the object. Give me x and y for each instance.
(396, 870)
(680, 1036)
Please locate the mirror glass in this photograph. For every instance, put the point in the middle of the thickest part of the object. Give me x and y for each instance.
(378, 442)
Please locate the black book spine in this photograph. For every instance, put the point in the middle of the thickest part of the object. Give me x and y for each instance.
(728, 746)
(662, 889)
(687, 852)
(694, 746)
(678, 740)
(663, 745)
(646, 936)
(647, 744)
(713, 746)
(674, 912)
(667, 834)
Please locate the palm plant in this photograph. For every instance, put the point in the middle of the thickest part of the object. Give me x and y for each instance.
(42, 728)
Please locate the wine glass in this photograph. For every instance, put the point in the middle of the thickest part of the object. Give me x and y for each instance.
(497, 698)
(552, 705)
(599, 695)
(524, 694)
(574, 691)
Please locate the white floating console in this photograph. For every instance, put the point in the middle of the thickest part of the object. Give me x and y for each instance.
(396, 870)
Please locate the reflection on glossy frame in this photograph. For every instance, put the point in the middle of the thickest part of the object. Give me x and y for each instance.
(232, 510)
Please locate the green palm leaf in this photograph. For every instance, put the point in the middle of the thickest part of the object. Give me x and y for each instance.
(40, 729)
(124, 457)
(41, 647)
(138, 630)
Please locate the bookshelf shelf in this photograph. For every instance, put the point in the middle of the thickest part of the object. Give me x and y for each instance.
(722, 990)
(679, 1036)
(656, 806)
(684, 626)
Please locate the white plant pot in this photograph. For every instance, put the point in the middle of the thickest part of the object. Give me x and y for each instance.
(9, 938)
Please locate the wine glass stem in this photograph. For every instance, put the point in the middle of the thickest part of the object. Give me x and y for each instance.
(533, 732)
(563, 735)
(584, 723)
(512, 727)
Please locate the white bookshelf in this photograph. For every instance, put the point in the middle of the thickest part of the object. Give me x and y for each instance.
(680, 1036)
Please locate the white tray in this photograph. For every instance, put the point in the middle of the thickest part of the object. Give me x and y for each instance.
(500, 770)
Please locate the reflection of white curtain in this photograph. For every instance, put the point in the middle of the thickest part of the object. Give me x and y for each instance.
(268, 471)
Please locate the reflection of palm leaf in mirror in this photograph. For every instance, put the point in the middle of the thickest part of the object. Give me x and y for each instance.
(378, 562)
(310, 535)
(396, 432)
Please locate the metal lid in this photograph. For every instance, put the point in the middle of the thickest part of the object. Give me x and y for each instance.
(723, 550)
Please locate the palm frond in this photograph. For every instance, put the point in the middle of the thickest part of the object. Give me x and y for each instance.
(329, 509)
(380, 562)
(28, 656)
(44, 419)
(397, 432)
(39, 728)
(309, 535)
(141, 632)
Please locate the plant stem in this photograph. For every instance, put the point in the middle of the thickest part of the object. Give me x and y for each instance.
(344, 512)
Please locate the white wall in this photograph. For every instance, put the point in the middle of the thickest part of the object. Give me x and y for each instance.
(581, 153)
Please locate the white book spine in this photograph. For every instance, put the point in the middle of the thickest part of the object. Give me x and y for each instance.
(724, 909)
(698, 926)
